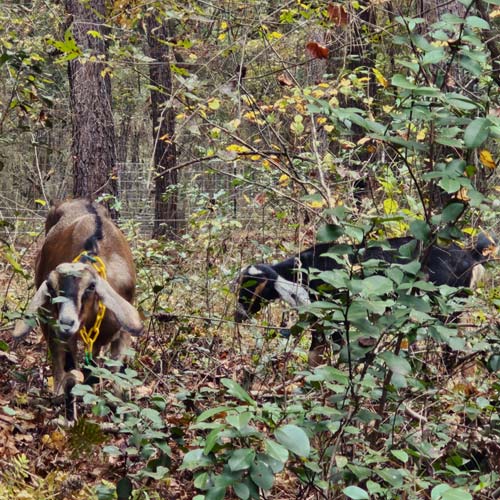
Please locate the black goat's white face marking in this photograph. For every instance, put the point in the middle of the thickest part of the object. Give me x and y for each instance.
(254, 271)
(292, 293)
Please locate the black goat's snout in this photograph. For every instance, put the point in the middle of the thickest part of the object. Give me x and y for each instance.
(240, 314)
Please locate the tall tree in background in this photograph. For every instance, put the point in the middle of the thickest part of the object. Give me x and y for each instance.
(162, 113)
(93, 148)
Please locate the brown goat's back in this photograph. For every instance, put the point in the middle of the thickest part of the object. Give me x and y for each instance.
(70, 226)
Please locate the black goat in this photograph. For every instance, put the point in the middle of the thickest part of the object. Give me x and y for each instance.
(293, 280)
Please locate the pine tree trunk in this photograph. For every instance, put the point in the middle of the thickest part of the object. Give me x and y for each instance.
(93, 148)
(162, 111)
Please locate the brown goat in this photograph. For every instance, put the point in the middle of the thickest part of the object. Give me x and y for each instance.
(69, 292)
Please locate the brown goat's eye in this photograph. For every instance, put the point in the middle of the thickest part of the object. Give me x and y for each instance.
(90, 288)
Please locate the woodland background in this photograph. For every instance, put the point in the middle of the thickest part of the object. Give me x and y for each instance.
(226, 133)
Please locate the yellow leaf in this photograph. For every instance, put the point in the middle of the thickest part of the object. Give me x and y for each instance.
(266, 164)
(249, 115)
(233, 124)
(387, 108)
(486, 159)
(390, 206)
(421, 134)
(284, 180)
(316, 203)
(363, 140)
(462, 194)
(40, 202)
(237, 148)
(321, 120)
(255, 157)
(165, 138)
(318, 93)
(329, 128)
(223, 25)
(214, 104)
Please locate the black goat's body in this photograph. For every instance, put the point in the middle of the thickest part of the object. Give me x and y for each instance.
(294, 279)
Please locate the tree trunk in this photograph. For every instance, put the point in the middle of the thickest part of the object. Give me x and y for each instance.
(162, 112)
(93, 148)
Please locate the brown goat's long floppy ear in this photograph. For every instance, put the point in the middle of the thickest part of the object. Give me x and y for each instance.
(24, 326)
(125, 313)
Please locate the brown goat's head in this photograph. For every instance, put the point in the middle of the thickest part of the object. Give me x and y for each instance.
(71, 294)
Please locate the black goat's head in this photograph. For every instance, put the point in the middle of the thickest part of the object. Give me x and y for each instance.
(259, 284)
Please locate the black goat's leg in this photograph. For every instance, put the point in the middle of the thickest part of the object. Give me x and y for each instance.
(318, 347)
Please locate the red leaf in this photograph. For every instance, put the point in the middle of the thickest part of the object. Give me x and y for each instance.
(337, 14)
(317, 51)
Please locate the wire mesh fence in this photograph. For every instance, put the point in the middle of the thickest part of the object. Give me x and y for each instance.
(218, 187)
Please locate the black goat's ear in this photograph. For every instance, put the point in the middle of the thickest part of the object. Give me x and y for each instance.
(126, 314)
(24, 326)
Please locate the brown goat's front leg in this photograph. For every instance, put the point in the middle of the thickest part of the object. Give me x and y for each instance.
(65, 371)
(121, 341)
(117, 348)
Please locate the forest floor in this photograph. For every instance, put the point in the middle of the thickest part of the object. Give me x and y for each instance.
(189, 347)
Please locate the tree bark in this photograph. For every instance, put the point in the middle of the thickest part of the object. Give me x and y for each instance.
(93, 148)
(163, 119)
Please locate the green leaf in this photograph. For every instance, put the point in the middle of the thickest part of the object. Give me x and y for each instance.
(294, 439)
(211, 412)
(399, 80)
(329, 232)
(470, 65)
(476, 132)
(450, 185)
(194, 459)
(376, 285)
(400, 455)
(262, 475)
(240, 420)
(355, 492)
(211, 440)
(397, 364)
(420, 229)
(434, 56)
(477, 22)
(112, 450)
(216, 493)
(392, 476)
(237, 391)
(460, 101)
(446, 492)
(242, 491)
(451, 212)
(276, 451)
(494, 363)
(241, 459)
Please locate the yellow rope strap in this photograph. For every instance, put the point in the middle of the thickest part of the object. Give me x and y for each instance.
(89, 337)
